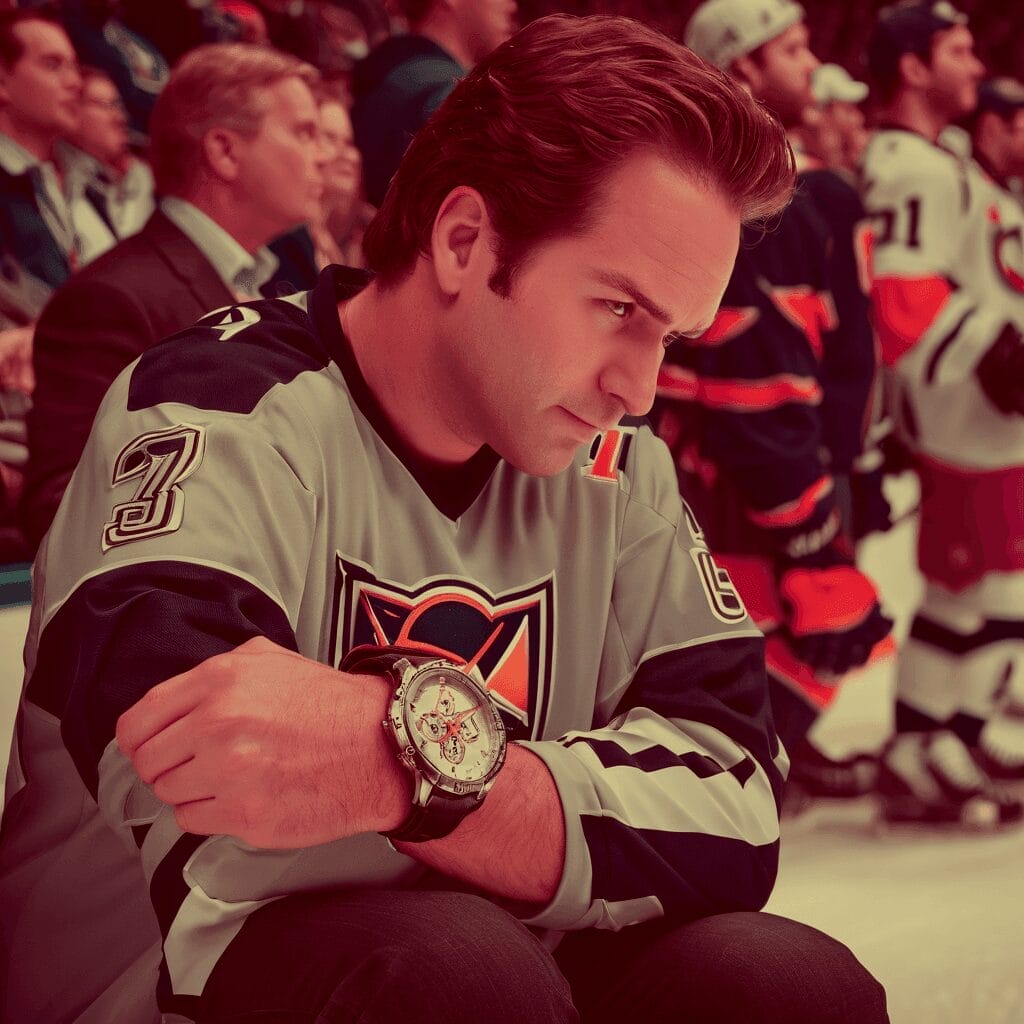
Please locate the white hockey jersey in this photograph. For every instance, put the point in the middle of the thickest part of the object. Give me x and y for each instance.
(947, 269)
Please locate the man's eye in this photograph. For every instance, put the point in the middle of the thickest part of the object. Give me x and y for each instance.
(619, 309)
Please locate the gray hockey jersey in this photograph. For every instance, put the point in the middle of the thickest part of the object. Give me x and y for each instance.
(241, 480)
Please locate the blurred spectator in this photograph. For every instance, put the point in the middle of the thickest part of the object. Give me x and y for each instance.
(997, 130)
(764, 411)
(237, 160)
(135, 65)
(117, 182)
(405, 79)
(334, 231)
(39, 96)
(834, 133)
(251, 23)
(338, 234)
(948, 300)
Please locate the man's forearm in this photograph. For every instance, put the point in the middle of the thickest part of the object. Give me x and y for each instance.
(513, 846)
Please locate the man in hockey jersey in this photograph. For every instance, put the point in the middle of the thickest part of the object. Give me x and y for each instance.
(948, 300)
(765, 412)
(413, 500)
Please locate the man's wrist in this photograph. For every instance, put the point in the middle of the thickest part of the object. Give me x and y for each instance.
(386, 786)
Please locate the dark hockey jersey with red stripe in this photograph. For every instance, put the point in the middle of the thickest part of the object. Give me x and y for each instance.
(770, 402)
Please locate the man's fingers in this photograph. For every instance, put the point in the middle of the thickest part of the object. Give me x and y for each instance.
(183, 784)
(164, 751)
(165, 703)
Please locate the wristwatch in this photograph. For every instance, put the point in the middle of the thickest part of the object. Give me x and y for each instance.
(447, 732)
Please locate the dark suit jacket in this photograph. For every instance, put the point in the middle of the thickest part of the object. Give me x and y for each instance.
(144, 289)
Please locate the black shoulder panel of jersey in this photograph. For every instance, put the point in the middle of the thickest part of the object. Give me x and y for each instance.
(228, 360)
(122, 632)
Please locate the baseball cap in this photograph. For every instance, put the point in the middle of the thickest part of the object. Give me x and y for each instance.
(832, 82)
(908, 27)
(722, 30)
(1003, 96)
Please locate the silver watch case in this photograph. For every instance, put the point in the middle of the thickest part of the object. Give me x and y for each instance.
(427, 778)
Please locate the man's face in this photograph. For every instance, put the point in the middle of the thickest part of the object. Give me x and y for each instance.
(954, 73)
(484, 24)
(103, 125)
(781, 79)
(580, 339)
(281, 168)
(41, 90)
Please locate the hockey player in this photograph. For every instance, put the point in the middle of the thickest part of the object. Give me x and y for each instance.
(765, 412)
(948, 300)
(412, 500)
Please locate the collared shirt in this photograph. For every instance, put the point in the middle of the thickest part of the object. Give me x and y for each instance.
(242, 272)
(124, 202)
(75, 224)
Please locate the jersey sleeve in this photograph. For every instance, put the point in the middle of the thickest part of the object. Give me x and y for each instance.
(183, 534)
(930, 324)
(671, 798)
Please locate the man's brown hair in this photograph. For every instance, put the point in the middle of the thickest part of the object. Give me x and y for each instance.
(11, 47)
(539, 125)
(220, 85)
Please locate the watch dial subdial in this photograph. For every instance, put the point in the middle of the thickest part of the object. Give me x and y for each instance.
(453, 749)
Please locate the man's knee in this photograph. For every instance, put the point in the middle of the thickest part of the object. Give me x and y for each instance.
(379, 956)
(762, 967)
(470, 962)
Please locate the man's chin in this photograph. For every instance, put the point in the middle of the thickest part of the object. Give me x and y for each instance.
(549, 462)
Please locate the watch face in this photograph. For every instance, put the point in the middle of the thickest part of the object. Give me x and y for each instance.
(453, 724)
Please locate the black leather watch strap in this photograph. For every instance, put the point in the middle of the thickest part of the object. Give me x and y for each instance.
(438, 818)
(381, 659)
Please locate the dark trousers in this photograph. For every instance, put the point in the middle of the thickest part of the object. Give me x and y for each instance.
(378, 957)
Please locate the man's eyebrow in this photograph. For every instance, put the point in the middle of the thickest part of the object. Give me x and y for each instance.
(613, 279)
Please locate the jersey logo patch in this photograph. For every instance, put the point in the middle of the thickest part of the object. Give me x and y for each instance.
(505, 640)
(160, 460)
(229, 320)
(608, 454)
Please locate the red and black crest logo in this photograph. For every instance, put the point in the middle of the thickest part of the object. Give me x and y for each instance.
(505, 639)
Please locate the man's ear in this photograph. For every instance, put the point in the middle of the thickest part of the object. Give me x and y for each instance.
(221, 149)
(460, 239)
(913, 70)
(748, 74)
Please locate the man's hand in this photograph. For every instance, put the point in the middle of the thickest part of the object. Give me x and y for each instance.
(266, 745)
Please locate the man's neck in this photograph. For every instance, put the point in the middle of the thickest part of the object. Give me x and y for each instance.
(912, 111)
(439, 28)
(36, 141)
(400, 371)
(243, 225)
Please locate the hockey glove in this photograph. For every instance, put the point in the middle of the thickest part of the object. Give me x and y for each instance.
(834, 619)
(1001, 372)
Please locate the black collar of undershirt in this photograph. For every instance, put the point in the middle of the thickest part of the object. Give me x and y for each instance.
(452, 489)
